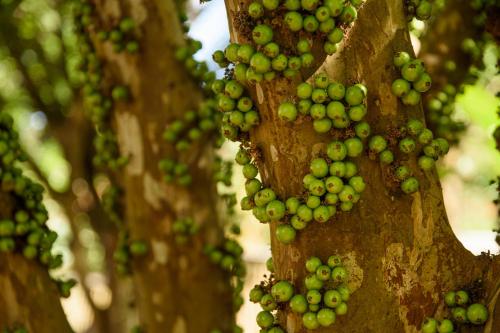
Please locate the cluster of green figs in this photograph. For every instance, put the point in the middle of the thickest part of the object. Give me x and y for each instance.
(462, 312)
(261, 58)
(419, 9)
(414, 79)
(26, 231)
(126, 249)
(324, 296)
(184, 228)
(98, 99)
(331, 105)
(332, 183)
(228, 256)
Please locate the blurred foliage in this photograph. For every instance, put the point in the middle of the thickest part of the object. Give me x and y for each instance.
(38, 72)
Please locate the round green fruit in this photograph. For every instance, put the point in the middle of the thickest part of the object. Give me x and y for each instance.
(285, 233)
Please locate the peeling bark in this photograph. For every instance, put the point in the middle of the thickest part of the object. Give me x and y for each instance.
(400, 250)
(178, 289)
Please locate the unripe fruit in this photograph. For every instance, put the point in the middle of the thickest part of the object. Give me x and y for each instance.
(325, 317)
(313, 296)
(336, 36)
(412, 70)
(357, 183)
(268, 303)
(334, 261)
(336, 150)
(322, 13)
(323, 273)
(305, 213)
(336, 91)
(256, 294)
(449, 299)
(461, 297)
(410, 185)
(477, 314)
(309, 5)
(341, 309)
(285, 233)
(321, 214)
(313, 201)
(294, 21)
(304, 90)
(459, 314)
(349, 14)
(407, 145)
(401, 59)
(424, 10)
(400, 87)
(402, 172)
(317, 187)
(426, 163)
(312, 264)
(260, 63)
(354, 95)
(245, 53)
(423, 83)
(275, 210)
(255, 10)
(332, 298)
(265, 319)
(231, 52)
(250, 171)
(446, 326)
(319, 168)
(386, 157)
(298, 304)
(339, 274)
(310, 321)
(334, 184)
(356, 113)
(354, 147)
(292, 204)
(414, 127)
(429, 325)
(412, 98)
(282, 291)
(262, 34)
(335, 6)
(297, 223)
(287, 111)
(312, 282)
(377, 144)
(270, 4)
(322, 125)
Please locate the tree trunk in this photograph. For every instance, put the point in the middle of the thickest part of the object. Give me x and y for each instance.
(443, 41)
(178, 289)
(28, 296)
(75, 133)
(399, 249)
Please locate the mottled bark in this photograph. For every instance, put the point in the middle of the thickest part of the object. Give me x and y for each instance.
(400, 250)
(28, 297)
(74, 132)
(178, 289)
